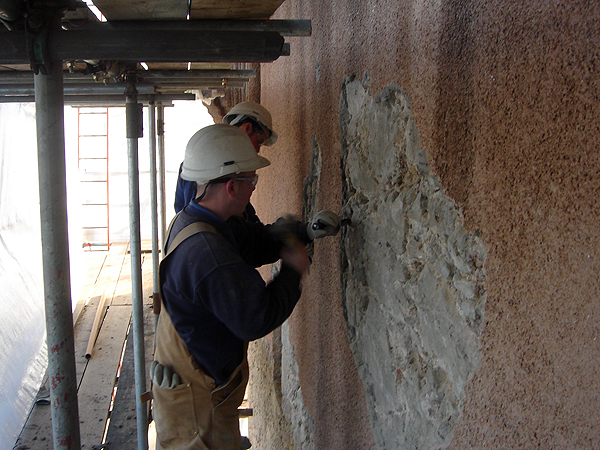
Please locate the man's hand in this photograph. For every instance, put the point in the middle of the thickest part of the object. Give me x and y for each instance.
(325, 223)
(295, 257)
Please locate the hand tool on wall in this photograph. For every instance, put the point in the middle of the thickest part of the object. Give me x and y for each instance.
(324, 223)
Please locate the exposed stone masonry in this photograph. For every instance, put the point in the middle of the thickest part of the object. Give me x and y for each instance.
(413, 279)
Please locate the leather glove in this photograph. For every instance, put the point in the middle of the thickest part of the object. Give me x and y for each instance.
(325, 223)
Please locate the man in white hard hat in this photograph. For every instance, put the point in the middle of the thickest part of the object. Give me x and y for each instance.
(252, 118)
(214, 301)
(255, 120)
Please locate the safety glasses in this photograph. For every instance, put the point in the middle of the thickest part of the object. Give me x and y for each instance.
(252, 180)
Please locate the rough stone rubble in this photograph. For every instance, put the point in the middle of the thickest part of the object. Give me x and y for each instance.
(412, 276)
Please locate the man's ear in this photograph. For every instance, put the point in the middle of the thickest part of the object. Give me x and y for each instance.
(246, 127)
(231, 188)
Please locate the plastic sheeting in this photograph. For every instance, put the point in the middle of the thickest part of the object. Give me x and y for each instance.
(23, 356)
(22, 330)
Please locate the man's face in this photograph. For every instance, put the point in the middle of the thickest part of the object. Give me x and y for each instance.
(256, 134)
(245, 188)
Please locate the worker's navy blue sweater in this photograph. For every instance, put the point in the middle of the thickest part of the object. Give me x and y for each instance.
(214, 295)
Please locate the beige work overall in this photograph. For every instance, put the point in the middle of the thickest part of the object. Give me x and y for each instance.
(194, 415)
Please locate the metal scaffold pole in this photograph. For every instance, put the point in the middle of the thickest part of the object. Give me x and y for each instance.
(160, 127)
(133, 111)
(154, 206)
(55, 243)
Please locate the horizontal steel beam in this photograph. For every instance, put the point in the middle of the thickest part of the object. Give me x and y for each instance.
(176, 82)
(117, 100)
(194, 83)
(79, 88)
(103, 100)
(176, 89)
(298, 28)
(112, 86)
(196, 74)
(152, 74)
(183, 82)
(107, 42)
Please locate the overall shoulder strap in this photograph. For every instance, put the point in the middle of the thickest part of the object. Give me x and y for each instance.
(190, 230)
(185, 233)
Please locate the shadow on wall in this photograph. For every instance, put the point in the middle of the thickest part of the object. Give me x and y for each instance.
(413, 279)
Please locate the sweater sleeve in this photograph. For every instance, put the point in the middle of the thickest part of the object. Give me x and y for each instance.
(256, 244)
(237, 295)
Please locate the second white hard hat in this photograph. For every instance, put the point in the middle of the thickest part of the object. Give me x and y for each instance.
(256, 112)
(219, 150)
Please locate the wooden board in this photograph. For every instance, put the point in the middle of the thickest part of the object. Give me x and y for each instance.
(95, 377)
(37, 432)
(94, 262)
(122, 432)
(96, 389)
(122, 428)
(233, 9)
(122, 294)
(200, 9)
(142, 9)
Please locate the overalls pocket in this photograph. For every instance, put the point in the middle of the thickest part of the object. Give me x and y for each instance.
(174, 414)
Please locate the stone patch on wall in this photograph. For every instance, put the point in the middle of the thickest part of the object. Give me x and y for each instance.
(413, 279)
(310, 189)
(280, 418)
(302, 424)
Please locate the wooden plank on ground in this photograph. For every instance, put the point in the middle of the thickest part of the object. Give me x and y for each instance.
(95, 262)
(122, 295)
(104, 270)
(122, 429)
(37, 432)
(113, 268)
(105, 284)
(123, 290)
(83, 330)
(96, 389)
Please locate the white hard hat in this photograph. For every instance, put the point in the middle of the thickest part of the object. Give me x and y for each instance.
(219, 150)
(256, 112)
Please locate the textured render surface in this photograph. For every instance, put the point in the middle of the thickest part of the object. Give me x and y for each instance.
(280, 418)
(505, 98)
(413, 279)
(268, 427)
(293, 402)
(274, 385)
